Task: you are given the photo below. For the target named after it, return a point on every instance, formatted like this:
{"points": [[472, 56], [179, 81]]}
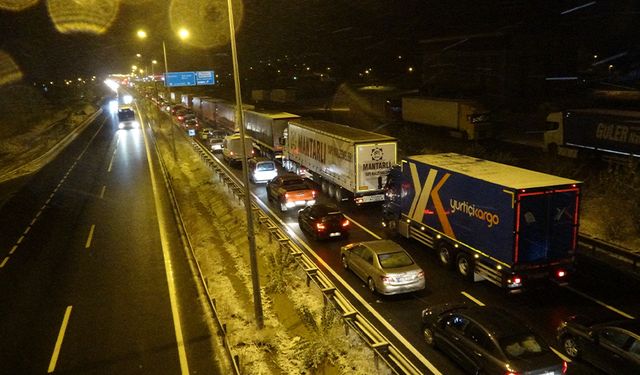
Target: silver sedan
{"points": [[384, 265]]}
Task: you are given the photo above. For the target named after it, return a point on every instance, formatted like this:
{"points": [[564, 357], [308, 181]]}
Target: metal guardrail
{"points": [[384, 350], [596, 247]]}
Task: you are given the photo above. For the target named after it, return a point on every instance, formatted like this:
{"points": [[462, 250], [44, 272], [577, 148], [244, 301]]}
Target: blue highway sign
{"points": [[205, 78], [173, 79]]}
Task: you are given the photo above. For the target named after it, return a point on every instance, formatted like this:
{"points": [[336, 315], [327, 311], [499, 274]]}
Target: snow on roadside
{"points": [[302, 335]]}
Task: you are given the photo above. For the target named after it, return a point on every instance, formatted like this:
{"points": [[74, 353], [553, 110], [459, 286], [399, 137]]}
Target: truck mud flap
{"points": [[483, 271]]}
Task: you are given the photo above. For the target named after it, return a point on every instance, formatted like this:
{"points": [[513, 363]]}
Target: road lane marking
{"points": [[363, 228], [477, 301], [27, 230], [88, 243], [559, 354], [6, 259], [47, 201], [33, 221], [56, 349], [164, 241], [112, 157], [104, 187], [600, 302], [20, 240], [43, 207], [13, 249], [39, 213]]}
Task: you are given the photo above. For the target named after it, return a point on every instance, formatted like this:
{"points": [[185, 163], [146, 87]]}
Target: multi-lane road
{"points": [[593, 291], [94, 278], [93, 275]]}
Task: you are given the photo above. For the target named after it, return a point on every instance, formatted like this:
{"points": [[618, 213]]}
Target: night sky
{"points": [[343, 33]]}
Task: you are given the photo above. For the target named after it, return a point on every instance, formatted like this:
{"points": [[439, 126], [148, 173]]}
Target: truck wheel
{"points": [[325, 186], [445, 255], [332, 190], [339, 194], [465, 266]]}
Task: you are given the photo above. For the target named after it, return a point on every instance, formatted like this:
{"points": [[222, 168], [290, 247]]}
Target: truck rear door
{"points": [[547, 225]]}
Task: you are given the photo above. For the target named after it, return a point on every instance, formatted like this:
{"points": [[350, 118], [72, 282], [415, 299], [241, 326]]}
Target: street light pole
{"points": [[257, 298]]}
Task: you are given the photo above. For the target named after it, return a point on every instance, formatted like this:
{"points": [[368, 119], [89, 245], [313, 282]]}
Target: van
{"points": [[262, 170], [232, 148]]}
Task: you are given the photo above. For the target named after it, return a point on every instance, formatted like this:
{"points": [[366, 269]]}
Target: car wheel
{"points": [[371, 285], [464, 266], [445, 255], [427, 334], [570, 346], [344, 263]]}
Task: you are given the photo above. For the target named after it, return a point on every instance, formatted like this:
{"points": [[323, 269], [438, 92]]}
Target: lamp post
{"points": [[255, 281], [183, 34]]}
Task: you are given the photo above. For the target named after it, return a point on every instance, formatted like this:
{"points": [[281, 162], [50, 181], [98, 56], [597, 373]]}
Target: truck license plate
{"points": [[373, 198]]}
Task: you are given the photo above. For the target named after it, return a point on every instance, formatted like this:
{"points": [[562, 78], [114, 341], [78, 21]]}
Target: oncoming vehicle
{"points": [[262, 170], [488, 341], [323, 221], [232, 148], [126, 118], [384, 265]]}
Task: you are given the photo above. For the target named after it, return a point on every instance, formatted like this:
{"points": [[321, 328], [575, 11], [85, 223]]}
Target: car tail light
{"points": [[560, 274], [565, 367], [231, 153], [421, 275], [286, 195], [345, 223], [180, 118], [313, 192], [511, 373], [320, 227], [386, 279]]}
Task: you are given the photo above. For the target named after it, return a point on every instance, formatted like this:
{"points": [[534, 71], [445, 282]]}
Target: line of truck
{"points": [[487, 221]]}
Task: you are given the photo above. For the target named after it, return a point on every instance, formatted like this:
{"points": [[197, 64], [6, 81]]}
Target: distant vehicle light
{"points": [[345, 223], [127, 99], [561, 273]]}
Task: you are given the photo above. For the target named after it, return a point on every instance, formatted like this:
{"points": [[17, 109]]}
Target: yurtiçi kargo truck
{"points": [[510, 226], [348, 163]]}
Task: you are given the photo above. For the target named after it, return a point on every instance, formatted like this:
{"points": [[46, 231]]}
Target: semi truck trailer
{"points": [[463, 118], [267, 129], [348, 163], [489, 221], [593, 130]]}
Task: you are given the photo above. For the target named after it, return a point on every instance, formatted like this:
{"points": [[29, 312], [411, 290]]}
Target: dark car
{"points": [[488, 341], [323, 221], [613, 346], [291, 190]]}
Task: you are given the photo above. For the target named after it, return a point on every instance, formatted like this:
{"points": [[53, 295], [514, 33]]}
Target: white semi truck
{"points": [[348, 163]]}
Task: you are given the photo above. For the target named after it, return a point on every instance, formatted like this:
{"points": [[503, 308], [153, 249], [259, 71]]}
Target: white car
{"points": [[262, 170]]}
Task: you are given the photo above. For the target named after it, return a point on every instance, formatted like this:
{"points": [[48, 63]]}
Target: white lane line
{"points": [[6, 259], [112, 157], [182, 354], [39, 213], [363, 227], [43, 207], [364, 303], [559, 354], [34, 220], [47, 201], [477, 301], [20, 240], [88, 243], [104, 187], [27, 230], [600, 303], [56, 349], [13, 249]]}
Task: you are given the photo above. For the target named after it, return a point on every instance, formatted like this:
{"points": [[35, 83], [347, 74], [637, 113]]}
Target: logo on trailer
{"points": [[377, 153]]}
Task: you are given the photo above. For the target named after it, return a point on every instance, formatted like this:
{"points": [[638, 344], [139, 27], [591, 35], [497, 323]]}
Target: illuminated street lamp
{"points": [[183, 34]]}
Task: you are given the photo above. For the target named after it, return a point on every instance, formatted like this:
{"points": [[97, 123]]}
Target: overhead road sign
{"points": [[173, 79], [205, 78]]}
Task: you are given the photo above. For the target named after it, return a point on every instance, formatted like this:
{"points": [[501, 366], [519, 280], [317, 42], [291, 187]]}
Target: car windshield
{"points": [[293, 181], [522, 346], [395, 260]]}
